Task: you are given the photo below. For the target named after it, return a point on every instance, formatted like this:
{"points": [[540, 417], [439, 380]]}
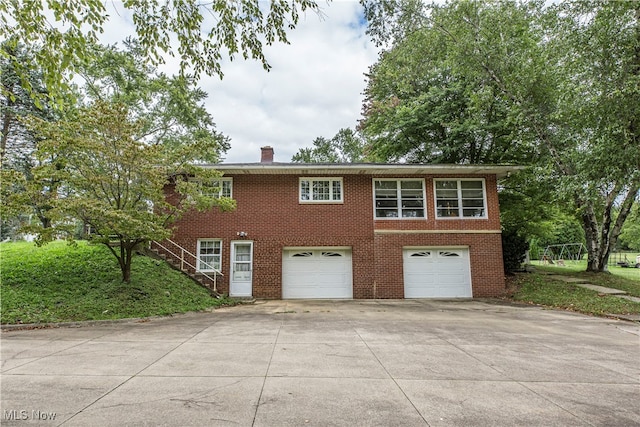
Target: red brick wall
{"points": [[485, 251], [269, 212]]}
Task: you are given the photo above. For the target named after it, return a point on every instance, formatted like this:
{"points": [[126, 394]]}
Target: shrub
{"points": [[514, 248]]}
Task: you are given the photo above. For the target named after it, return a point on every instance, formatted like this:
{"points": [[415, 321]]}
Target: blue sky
{"points": [[314, 88]]}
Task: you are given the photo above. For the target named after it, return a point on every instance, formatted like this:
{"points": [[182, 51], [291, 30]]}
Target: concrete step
{"points": [[601, 289], [567, 279], [629, 298]]}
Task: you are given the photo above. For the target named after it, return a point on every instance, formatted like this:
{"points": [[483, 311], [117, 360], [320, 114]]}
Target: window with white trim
{"points": [[461, 198], [217, 188], [209, 255], [399, 198], [320, 190]]}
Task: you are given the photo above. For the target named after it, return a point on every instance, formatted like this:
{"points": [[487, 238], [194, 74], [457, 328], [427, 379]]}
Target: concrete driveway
{"points": [[322, 363]]}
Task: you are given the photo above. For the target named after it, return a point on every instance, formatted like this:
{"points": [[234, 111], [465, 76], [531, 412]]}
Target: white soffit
{"points": [[362, 169]]}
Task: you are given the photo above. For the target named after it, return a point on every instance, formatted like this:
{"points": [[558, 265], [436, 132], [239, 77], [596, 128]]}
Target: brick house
{"points": [[351, 231]]}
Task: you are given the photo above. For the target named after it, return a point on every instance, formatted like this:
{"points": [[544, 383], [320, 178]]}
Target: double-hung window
{"points": [[461, 198], [396, 198], [209, 255], [320, 190], [217, 188]]}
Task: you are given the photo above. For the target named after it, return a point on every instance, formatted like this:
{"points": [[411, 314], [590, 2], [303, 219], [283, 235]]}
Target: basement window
{"points": [[209, 255]]}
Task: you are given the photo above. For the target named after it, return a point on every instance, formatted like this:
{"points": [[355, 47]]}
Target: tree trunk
{"points": [[7, 119], [126, 271], [601, 240], [127, 249], [126, 255], [590, 226], [46, 222], [6, 123]]}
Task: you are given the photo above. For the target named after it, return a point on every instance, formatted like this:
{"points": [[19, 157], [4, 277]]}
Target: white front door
{"points": [[241, 269]]}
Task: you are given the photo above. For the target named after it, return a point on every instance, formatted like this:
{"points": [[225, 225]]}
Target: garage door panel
{"points": [[316, 273], [437, 273], [452, 280], [333, 279], [451, 263]]}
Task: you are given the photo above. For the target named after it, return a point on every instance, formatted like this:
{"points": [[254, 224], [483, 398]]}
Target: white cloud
{"points": [[313, 89]]}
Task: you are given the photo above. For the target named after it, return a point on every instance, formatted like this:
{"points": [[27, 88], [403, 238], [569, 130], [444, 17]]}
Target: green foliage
{"points": [[553, 86], [59, 283], [428, 99], [170, 110], [514, 248], [346, 146], [16, 142], [559, 230], [108, 177], [201, 34], [630, 236], [392, 20], [527, 202]]}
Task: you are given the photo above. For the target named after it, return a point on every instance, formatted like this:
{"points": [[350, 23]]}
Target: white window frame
{"points": [[218, 256], [399, 208], [332, 196], [221, 184], [459, 199]]}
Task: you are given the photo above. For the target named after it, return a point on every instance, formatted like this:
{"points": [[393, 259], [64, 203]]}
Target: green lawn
{"points": [[541, 288], [58, 283], [579, 268]]}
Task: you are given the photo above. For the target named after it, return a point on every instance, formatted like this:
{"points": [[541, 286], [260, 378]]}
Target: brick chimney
{"points": [[267, 154]]}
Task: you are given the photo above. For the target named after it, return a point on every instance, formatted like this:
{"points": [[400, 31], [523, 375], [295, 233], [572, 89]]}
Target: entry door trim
{"points": [[241, 287]]}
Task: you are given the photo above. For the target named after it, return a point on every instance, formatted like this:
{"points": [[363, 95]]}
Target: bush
{"points": [[514, 249]]}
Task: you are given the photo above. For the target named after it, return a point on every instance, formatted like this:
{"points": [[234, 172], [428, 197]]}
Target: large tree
{"points": [[114, 181], [598, 45], [200, 33], [18, 143], [170, 109], [552, 86], [347, 146]]}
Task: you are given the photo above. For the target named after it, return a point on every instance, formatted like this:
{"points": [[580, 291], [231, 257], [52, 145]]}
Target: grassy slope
{"points": [[59, 283], [540, 288]]}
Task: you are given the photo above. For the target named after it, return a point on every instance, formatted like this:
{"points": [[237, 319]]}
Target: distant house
{"points": [[351, 231]]}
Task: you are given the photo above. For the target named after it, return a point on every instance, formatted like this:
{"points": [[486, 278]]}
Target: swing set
{"points": [[558, 254]]}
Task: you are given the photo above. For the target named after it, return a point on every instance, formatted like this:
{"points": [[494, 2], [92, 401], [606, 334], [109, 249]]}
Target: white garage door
{"points": [[316, 273], [437, 273]]}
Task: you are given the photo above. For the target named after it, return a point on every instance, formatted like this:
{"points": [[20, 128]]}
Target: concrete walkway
{"points": [[323, 363], [601, 290]]}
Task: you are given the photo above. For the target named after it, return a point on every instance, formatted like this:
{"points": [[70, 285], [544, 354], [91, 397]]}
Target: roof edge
{"points": [[363, 169]]}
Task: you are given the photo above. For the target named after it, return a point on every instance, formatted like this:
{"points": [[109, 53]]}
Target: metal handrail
{"points": [[184, 262]]}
